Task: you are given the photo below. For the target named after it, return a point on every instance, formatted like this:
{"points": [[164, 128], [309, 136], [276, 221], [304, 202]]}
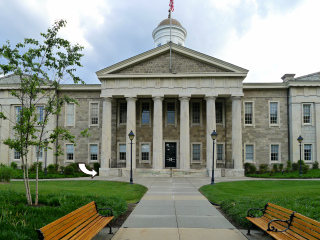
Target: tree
{"points": [[41, 67]]}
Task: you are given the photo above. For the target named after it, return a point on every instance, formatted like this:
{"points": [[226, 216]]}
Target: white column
{"points": [[5, 133], [211, 125], [157, 133], [236, 133], [295, 111], [184, 133], [317, 121], [131, 126], [106, 136]]}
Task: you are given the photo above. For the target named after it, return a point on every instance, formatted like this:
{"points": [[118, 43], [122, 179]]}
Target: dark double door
{"points": [[170, 154]]}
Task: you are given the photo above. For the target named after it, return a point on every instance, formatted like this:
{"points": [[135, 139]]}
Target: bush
{"points": [[96, 167], [51, 169], [295, 166], [281, 167], [14, 165], [252, 169], [315, 165], [275, 167], [246, 168], [263, 168], [305, 169], [74, 166], [5, 173], [289, 166], [302, 162], [56, 166], [69, 170], [62, 168]]}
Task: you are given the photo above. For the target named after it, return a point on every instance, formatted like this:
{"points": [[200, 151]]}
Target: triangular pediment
{"points": [[183, 61], [309, 77]]}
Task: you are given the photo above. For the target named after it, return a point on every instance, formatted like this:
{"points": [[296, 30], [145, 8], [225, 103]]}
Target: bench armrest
{"points": [[274, 229], [106, 209], [249, 214]]}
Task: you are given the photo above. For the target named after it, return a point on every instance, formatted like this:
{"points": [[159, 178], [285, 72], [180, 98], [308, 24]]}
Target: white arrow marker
{"points": [[83, 168]]}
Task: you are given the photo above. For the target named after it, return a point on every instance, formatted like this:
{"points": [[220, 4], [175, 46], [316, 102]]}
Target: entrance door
{"points": [[170, 154]]}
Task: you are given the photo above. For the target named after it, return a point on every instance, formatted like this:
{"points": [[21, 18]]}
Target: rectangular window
{"points": [[307, 113], [249, 153], [94, 111], [220, 152], [274, 152], [123, 112], [70, 114], [93, 152], [39, 153], [70, 152], [145, 152], [18, 114], [248, 113], [196, 152], [273, 113], [171, 113], [219, 112], [196, 112], [122, 152], [40, 113], [307, 152], [16, 155], [145, 113]]}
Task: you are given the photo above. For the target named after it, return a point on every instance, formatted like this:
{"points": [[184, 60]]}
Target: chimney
{"points": [[287, 77]]}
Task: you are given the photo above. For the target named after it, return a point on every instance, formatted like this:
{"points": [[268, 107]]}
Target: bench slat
{"points": [[309, 220], [302, 233], [280, 208], [98, 227], [306, 227]]}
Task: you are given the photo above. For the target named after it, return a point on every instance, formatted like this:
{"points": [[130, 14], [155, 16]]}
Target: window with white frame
{"points": [[94, 150], [306, 113], [196, 152], [248, 113], [122, 112], [249, 153], [171, 112], [307, 152], [94, 114], [18, 113], [275, 154], [145, 113], [16, 155], [70, 152], [122, 152], [219, 112], [70, 114], [274, 113], [40, 110], [145, 152], [39, 153], [220, 152], [196, 113]]}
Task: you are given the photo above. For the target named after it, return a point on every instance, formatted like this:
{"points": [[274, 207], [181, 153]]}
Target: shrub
{"points": [[62, 168], [252, 169], [246, 167], [51, 169], [74, 166], [5, 173], [263, 168], [315, 165], [275, 167], [281, 167], [14, 165], [305, 169], [295, 166], [96, 167], [69, 170], [302, 162], [56, 166]]}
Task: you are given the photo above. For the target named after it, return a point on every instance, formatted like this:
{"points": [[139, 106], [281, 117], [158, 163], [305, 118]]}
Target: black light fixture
{"points": [[300, 139], [214, 135], [131, 137], [46, 143]]}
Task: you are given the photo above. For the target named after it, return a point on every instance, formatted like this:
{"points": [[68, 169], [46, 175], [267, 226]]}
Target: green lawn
{"points": [[235, 198], [130, 193]]}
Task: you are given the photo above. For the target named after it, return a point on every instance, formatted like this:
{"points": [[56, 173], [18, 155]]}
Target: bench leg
{"points": [[110, 232], [248, 233]]}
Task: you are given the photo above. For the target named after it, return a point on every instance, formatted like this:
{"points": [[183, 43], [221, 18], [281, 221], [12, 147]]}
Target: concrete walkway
{"points": [[173, 208]]}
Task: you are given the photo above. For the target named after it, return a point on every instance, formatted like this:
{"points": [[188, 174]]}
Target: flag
{"points": [[171, 5]]}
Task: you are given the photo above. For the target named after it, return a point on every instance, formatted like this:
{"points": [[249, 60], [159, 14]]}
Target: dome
{"points": [[167, 22]]}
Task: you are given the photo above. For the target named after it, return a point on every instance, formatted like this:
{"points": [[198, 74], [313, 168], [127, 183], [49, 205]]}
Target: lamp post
{"points": [[300, 139], [213, 136], [131, 137], [46, 143]]}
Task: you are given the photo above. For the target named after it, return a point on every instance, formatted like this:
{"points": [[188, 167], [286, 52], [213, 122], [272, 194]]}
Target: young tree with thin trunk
{"points": [[41, 68]]}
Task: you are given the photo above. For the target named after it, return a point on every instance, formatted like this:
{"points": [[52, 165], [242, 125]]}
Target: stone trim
{"points": [[140, 153], [311, 114], [90, 124], [278, 114], [118, 152], [245, 152], [166, 101], [66, 115], [253, 114], [191, 153], [279, 152], [89, 152], [65, 153], [191, 112]]}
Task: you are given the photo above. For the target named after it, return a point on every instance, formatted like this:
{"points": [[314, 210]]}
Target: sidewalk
{"points": [[173, 208]]}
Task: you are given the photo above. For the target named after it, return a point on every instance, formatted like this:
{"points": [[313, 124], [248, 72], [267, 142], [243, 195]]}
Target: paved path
{"points": [[173, 208]]}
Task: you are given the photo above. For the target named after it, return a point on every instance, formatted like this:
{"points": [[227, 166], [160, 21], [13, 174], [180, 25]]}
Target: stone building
{"points": [[172, 98]]}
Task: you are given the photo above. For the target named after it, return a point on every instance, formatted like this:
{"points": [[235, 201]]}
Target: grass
{"points": [[312, 173], [236, 198], [18, 174], [56, 199]]}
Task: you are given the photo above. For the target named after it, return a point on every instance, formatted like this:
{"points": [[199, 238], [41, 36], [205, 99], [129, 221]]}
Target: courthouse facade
{"points": [[172, 98]]}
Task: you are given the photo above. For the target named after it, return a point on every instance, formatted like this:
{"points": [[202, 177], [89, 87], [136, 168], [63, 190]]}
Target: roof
{"points": [[167, 22], [10, 79], [309, 77]]}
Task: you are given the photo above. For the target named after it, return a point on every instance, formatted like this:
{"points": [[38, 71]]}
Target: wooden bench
{"points": [[83, 223], [282, 223]]}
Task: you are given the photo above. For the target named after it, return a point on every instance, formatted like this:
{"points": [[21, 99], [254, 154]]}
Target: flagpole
{"points": [[170, 38]]}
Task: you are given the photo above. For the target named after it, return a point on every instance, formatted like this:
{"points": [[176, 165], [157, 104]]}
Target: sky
{"points": [[268, 37]]}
